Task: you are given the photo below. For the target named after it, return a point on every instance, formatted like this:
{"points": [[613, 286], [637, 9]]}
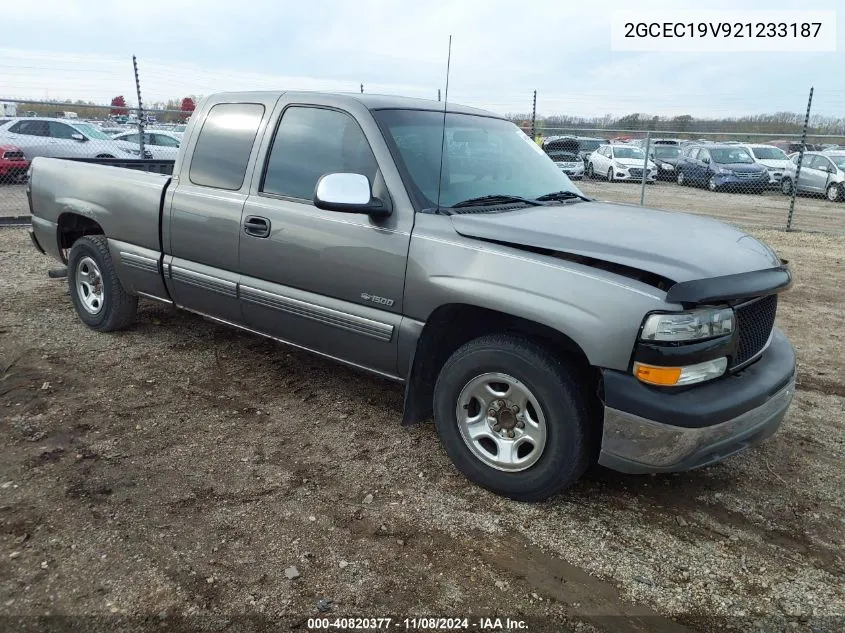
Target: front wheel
{"points": [[610, 175], [590, 172], [786, 186], [681, 179], [513, 418], [97, 294], [711, 184], [834, 192]]}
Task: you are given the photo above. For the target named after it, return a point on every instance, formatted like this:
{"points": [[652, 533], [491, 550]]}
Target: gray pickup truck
{"points": [[542, 330]]}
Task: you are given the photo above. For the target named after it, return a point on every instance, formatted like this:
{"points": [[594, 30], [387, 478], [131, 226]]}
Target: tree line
{"points": [[685, 124], [171, 111]]}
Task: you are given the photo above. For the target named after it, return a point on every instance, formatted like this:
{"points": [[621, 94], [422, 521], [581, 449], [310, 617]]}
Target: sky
{"points": [[501, 52]]}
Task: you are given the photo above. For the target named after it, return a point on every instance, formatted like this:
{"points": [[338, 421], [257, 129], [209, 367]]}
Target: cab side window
{"points": [[224, 145], [311, 142]]}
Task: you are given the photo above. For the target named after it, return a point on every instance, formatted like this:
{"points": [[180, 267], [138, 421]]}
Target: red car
{"points": [[13, 164]]}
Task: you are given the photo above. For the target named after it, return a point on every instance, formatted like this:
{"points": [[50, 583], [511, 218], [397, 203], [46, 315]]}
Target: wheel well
{"points": [[71, 227], [451, 326]]}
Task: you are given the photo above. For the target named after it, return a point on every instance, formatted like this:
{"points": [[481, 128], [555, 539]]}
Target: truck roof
{"points": [[370, 101]]}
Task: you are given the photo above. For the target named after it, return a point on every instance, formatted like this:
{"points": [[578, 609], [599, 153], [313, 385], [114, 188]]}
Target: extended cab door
{"points": [[328, 281], [203, 205]]}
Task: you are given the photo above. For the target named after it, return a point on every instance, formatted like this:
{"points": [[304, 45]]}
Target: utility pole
{"points": [[140, 107]]}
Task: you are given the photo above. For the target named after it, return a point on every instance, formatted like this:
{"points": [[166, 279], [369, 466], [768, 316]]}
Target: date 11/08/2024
{"points": [[416, 624]]}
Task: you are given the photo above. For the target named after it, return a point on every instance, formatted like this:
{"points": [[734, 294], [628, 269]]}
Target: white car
{"points": [[64, 138], [772, 158], [163, 145], [620, 162]]}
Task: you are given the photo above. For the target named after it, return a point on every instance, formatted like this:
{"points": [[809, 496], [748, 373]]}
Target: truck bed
{"points": [[126, 203]]}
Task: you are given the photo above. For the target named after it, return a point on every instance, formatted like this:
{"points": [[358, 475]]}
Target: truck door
{"points": [[329, 281], [202, 223]]}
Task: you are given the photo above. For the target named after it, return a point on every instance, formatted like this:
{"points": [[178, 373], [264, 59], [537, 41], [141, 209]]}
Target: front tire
{"points": [[97, 294], [711, 184], [786, 186], [682, 181], [514, 418], [590, 173], [610, 175]]}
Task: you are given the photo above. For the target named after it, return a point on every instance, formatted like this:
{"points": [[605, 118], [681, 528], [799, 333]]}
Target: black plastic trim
{"points": [[708, 403], [758, 283], [35, 242], [682, 354]]}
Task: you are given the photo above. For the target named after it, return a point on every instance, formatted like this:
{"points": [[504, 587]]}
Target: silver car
{"points": [[821, 173], [61, 138], [161, 144]]}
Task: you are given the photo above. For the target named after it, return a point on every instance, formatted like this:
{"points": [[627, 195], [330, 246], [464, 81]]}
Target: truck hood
{"points": [[677, 246]]}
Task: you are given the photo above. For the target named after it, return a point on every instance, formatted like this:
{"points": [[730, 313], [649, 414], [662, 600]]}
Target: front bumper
{"points": [[732, 181], [625, 174], [648, 430]]}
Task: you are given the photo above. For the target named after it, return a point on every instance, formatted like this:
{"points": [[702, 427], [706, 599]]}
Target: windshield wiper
{"points": [[483, 201], [562, 195]]}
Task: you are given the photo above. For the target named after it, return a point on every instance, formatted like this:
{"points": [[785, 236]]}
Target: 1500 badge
{"points": [[382, 301]]}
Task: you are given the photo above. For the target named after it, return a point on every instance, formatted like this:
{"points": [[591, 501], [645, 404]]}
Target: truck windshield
{"points": [[483, 156]]}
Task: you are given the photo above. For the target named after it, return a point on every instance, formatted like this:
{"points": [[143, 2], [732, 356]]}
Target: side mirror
{"points": [[348, 193], [706, 161], [76, 136]]}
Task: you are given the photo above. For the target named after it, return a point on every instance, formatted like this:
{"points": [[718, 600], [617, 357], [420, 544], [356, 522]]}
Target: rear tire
{"points": [[551, 405], [97, 294], [833, 192]]}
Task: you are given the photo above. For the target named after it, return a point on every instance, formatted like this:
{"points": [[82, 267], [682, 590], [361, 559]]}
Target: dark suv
{"points": [[721, 167]]}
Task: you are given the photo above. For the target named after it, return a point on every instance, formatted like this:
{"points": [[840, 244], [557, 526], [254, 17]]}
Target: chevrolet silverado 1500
{"points": [[542, 330]]}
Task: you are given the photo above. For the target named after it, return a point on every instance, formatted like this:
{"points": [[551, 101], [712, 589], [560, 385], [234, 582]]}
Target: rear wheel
{"points": [[834, 192], [98, 296], [513, 417]]}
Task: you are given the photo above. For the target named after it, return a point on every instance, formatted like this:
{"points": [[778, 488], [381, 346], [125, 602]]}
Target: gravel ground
{"points": [[173, 473]]}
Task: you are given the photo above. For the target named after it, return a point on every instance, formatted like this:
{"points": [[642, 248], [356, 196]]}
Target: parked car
{"points": [[665, 157], [564, 152], [772, 158], [13, 164], [821, 173], [162, 145], [790, 147], [542, 330], [620, 162], [720, 167], [64, 138], [587, 145]]}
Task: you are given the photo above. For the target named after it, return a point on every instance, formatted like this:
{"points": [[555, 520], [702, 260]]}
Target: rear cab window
{"points": [[224, 145]]}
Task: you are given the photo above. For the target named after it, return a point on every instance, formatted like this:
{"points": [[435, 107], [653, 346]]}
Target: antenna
{"points": [[443, 137]]}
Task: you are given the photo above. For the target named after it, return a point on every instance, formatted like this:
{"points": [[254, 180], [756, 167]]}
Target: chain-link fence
{"points": [[748, 179], [78, 131], [775, 173]]}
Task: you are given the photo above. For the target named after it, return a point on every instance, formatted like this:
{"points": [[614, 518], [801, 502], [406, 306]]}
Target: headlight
{"points": [[619, 165], [723, 171], [667, 167], [688, 326]]}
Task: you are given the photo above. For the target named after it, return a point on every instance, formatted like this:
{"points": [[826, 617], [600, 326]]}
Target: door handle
{"points": [[257, 226]]}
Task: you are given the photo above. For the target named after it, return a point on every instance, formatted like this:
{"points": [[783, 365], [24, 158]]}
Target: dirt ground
{"points": [[168, 476], [769, 210]]}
